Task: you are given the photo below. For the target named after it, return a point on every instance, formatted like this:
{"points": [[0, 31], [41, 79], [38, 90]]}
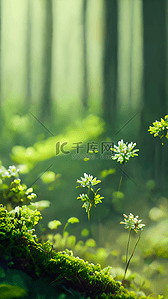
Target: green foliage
{"points": [[87, 129], [14, 192], [70, 268], [90, 243], [73, 220], [39, 205], [16, 231], [20, 221], [160, 128], [66, 240], [54, 224], [106, 172], [85, 232], [70, 220], [48, 177], [9, 291]]}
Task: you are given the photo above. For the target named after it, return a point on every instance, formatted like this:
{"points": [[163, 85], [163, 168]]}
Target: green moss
{"points": [[40, 260]]}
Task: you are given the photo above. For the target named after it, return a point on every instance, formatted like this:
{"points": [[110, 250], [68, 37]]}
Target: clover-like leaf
{"points": [[54, 224], [73, 220]]}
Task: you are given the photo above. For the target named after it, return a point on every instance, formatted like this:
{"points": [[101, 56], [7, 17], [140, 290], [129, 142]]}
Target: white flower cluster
{"points": [[132, 222], [124, 151], [88, 180], [12, 171]]}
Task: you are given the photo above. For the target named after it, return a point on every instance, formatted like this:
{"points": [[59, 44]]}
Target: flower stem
{"points": [[128, 246], [88, 216], [89, 206], [121, 178], [127, 265]]}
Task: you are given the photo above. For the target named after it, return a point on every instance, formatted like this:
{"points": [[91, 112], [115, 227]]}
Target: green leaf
{"points": [[71, 240], [85, 232], [40, 205], [73, 220], [48, 177], [9, 291], [90, 243], [54, 224], [118, 195], [4, 186], [106, 172]]}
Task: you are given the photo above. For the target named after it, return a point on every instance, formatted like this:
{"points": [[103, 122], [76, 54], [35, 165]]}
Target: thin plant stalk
{"points": [[127, 265], [121, 178], [128, 246], [88, 196], [65, 227]]}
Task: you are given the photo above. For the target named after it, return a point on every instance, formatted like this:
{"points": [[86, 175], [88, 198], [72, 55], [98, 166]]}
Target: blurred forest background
{"points": [[81, 71]]}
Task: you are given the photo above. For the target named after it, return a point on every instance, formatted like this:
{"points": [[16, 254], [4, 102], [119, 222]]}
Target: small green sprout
{"points": [[131, 223], [123, 152], [160, 128], [88, 181], [55, 223], [70, 220]]}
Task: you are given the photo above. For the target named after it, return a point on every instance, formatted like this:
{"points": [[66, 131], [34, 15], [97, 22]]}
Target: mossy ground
{"points": [[61, 271]]}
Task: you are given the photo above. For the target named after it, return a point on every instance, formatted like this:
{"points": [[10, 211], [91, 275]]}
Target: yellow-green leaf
{"points": [[73, 220], [54, 224]]}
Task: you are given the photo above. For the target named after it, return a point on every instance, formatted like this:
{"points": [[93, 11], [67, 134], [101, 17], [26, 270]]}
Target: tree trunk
{"points": [[110, 64], [85, 85], [154, 106], [46, 113], [132, 3], [1, 116], [28, 99]]}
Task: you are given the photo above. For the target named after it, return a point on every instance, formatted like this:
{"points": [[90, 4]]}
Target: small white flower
{"points": [[6, 174], [88, 180], [124, 151], [132, 222], [13, 170]]}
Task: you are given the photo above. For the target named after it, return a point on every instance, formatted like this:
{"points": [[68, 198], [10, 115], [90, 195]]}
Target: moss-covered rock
{"points": [[19, 249]]}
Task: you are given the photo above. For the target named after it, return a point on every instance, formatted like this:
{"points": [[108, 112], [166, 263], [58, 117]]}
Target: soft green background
{"points": [[82, 71]]}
